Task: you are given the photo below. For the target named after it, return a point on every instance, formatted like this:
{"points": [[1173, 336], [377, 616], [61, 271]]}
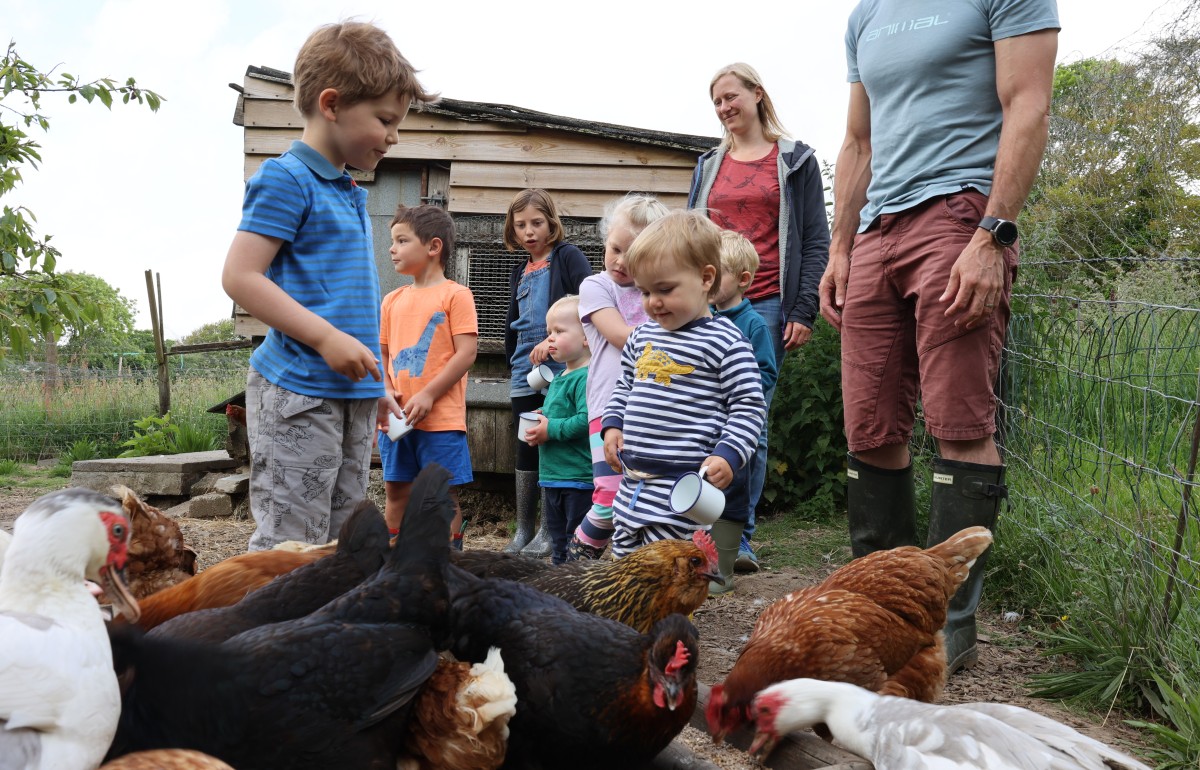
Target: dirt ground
{"points": [[1009, 655]]}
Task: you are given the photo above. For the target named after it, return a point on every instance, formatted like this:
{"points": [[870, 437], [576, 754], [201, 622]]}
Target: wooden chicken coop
{"points": [[472, 158]]}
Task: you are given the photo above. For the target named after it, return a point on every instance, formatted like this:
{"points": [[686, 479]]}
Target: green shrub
{"points": [[807, 443], [8, 467]]}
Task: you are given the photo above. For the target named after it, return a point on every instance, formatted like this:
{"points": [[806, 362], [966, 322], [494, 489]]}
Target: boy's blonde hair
{"points": [[569, 304], [773, 129], [540, 200], [681, 239], [634, 210], [359, 61], [737, 254]]}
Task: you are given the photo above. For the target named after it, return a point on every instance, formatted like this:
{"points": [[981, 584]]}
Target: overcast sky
{"points": [[128, 190]]}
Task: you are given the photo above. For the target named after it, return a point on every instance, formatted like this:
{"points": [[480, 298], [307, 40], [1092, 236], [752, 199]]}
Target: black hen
{"points": [[591, 692], [331, 689], [361, 548]]}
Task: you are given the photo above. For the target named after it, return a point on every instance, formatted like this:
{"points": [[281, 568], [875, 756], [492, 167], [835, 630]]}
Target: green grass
{"points": [[811, 537], [25, 476], [37, 423]]}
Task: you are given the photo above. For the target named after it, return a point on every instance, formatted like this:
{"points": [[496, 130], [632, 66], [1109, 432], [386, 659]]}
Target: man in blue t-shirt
{"points": [[302, 262], [948, 119]]}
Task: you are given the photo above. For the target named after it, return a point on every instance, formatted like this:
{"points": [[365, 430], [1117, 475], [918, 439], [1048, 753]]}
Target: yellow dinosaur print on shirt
{"points": [[659, 364]]}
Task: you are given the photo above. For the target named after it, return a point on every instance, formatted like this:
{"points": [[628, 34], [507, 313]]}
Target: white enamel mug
{"points": [[539, 377], [697, 499], [529, 421], [397, 427]]}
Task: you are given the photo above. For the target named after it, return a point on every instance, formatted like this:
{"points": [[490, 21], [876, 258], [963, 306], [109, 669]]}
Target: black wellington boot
{"points": [[880, 506], [964, 495], [528, 495]]}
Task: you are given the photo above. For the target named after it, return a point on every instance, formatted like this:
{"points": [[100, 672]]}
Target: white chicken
{"points": [[59, 701], [903, 734]]}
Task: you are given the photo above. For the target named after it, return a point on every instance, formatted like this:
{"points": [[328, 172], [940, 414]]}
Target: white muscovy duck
{"points": [[903, 734], [59, 701]]}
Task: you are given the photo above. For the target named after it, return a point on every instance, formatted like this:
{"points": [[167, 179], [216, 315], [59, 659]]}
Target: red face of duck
{"points": [[112, 572], [764, 711]]}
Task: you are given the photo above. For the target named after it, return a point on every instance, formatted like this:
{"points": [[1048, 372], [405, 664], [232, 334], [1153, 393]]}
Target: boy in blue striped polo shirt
{"points": [[690, 394], [303, 263]]}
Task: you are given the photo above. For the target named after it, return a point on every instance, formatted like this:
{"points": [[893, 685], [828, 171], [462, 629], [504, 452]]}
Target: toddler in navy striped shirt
{"points": [[689, 396]]}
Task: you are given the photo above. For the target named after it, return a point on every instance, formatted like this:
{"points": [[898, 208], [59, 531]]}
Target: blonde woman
{"points": [[767, 187]]}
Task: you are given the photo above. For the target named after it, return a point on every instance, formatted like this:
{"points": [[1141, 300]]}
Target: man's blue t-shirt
{"points": [[929, 70], [326, 263]]}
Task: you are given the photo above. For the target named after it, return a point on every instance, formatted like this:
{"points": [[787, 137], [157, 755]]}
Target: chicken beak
{"points": [[762, 745], [117, 589], [714, 574]]}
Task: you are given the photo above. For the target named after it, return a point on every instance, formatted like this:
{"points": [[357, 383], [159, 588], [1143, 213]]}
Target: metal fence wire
{"points": [[489, 263]]}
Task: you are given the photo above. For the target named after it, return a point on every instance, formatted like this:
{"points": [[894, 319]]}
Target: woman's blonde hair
{"points": [[683, 239], [540, 200], [636, 210], [772, 128]]}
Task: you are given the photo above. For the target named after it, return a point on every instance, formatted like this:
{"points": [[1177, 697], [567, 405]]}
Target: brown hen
{"points": [[166, 759], [876, 623], [656, 580], [460, 718], [158, 557], [223, 584]]}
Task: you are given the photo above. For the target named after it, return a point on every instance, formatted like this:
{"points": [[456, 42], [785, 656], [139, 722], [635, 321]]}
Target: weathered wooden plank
{"points": [[258, 88], [677, 756], [277, 113], [797, 751], [537, 146], [572, 203], [570, 177]]}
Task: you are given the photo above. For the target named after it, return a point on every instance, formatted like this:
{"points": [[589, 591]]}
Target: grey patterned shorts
{"points": [[309, 462]]}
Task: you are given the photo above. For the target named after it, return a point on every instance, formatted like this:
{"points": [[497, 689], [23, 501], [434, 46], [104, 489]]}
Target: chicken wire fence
{"points": [[489, 264]]}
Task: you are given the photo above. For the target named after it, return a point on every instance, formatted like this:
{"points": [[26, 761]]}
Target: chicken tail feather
{"points": [[364, 536], [961, 549], [426, 528]]}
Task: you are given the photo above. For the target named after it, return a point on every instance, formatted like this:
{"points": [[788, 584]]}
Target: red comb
{"points": [[678, 660], [705, 543]]}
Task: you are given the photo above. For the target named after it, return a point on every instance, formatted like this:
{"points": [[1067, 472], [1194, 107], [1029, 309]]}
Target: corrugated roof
{"points": [[506, 113]]}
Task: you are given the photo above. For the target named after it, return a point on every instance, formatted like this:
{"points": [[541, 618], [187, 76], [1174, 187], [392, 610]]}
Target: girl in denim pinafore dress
{"points": [[551, 270]]}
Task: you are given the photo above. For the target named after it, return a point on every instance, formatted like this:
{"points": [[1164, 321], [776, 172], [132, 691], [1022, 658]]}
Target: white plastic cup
{"points": [[397, 427], [529, 421], [539, 377], [697, 499]]}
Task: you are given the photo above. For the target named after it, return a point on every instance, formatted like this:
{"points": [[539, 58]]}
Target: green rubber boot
{"points": [[964, 495], [881, 507], [727, 536]]}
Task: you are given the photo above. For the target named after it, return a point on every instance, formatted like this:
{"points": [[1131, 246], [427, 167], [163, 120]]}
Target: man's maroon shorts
{"points": [[897, 344]]}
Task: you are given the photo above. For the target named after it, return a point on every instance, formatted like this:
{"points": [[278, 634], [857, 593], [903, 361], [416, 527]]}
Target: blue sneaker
{"points": [[746, 560]]}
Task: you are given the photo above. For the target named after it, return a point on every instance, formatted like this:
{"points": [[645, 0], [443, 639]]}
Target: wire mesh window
{"points": [[489, 264]]}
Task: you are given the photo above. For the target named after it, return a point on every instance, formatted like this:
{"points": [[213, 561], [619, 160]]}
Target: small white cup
{"points": [[697, 499], [397, 427], [529, 421], [540, 376]]}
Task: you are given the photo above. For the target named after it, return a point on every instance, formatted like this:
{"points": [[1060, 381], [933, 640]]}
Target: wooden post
{"points": [[160, 352]]}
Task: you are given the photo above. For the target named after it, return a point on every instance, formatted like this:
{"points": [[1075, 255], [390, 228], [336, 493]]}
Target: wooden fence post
{"points": [[160, 352]]}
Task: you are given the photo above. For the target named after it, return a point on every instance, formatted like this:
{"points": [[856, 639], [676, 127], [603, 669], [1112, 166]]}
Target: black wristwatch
{"points": [[1003, 231]]}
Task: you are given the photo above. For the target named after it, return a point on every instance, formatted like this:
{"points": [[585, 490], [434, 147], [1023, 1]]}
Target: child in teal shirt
{"points": [[561, 435]]}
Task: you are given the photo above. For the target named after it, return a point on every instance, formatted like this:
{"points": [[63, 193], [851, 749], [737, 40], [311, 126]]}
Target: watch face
{"points": [[1006, 232]]}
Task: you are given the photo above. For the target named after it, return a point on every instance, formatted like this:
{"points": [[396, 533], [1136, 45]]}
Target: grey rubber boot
{"points": [[964, 495], [880, 506], [542, 545], [528, 495], [727, 536]]}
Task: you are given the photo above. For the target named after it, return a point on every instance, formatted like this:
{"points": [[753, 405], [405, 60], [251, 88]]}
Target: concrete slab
{"points": [[233, 485], [188, 462], [211, 506]]}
